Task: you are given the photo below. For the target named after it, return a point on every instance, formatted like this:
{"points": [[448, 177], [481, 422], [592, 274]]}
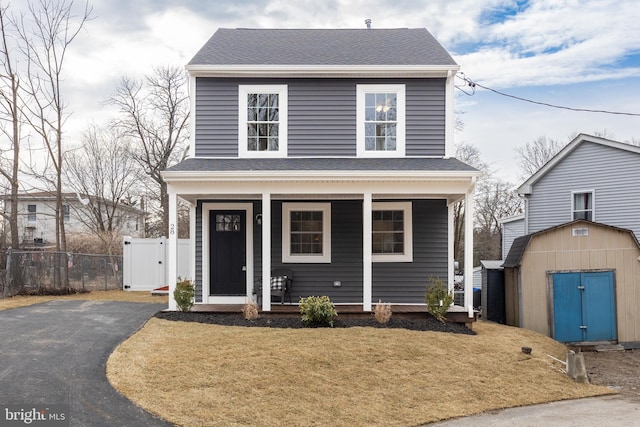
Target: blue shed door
{"points": [[584, 307]]}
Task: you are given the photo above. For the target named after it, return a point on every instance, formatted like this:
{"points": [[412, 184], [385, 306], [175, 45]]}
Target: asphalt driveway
{"points": [[55, 354]]}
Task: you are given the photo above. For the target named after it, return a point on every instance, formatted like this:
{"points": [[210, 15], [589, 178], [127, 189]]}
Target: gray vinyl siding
{"points": [[407, 282], [392, 282], [613, 175], [322, 116], [511, 230]]}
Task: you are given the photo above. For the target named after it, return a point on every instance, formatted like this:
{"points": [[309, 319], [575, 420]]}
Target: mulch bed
{"points": [[226, 319]]}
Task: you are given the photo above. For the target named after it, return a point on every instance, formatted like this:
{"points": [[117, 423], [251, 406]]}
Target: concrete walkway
{"points": [[55, 353], [590, 412]]}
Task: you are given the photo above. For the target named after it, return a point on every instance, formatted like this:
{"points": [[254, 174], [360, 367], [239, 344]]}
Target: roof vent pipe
{"points": [[368, 22]]}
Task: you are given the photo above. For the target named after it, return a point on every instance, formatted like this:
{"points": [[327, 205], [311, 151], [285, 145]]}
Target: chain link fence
{"points": [[42, 272]]}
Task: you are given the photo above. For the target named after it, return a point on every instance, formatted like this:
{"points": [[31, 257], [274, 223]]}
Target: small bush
{"points": [[382, 312], [250, 310], [438, 299], [317, 311], [184, 294]]}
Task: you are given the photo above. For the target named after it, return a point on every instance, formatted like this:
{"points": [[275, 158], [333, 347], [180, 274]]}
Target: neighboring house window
{"points": [[381, 120], [262, 124], [31, 213], [392, 235], [583, 205], [306, 232], [67, 213]]}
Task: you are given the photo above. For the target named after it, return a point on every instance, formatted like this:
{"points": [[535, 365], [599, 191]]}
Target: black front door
{"points": [[227, 253]]}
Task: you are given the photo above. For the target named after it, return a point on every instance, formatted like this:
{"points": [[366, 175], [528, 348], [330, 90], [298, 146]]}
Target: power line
{"points": [[473, 86]]}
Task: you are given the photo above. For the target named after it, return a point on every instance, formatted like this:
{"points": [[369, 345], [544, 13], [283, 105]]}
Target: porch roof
{"points": [[422, 164]]}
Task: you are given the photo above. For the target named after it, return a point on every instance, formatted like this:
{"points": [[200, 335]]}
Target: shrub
{"points": [[438, 299], [250, 310], [184, 294], [382, 312], [317, 311]]}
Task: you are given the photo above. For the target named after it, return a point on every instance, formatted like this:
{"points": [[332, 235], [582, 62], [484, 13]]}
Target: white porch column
{"points": [[266, 252], [450, 255], [192, 242], [172, 247], [468, 251], [367, 275]]}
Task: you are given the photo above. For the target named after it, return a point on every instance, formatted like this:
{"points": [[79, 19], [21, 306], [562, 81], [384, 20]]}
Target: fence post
{"points": [[105, 272], [7, 281]]}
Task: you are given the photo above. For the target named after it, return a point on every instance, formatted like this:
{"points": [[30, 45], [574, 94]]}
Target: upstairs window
{"points": [[262, 125], [381, 120], [67, 213], [31, 213], [583, 205]]}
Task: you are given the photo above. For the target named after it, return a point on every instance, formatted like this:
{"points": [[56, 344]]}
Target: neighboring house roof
{"points": [[520, 244], [244, 46], [491, 265], [232, 164], [527, 186]]}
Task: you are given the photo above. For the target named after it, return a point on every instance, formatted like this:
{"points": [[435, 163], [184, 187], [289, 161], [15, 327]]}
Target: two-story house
{"points": [[37, 218], [326, 152]]}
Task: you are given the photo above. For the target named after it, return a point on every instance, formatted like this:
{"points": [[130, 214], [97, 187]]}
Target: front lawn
{"points": [[211, 375]]}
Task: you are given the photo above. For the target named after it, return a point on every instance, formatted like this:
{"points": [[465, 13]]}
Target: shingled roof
{"points": [[342, 47]]}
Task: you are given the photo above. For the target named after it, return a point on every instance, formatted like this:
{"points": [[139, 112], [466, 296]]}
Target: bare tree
{"points": [[495, 199], [470, 155], [155, 111], [46, 32], [103, 174], [535, 154], [10, 118]]}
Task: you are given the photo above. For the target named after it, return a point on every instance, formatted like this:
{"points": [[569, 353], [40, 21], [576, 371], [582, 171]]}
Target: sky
{"points": [[574, 53]]}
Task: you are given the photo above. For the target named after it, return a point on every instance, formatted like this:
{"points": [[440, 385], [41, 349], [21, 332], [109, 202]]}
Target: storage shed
{"points": [[578, 282], [493, 305]]}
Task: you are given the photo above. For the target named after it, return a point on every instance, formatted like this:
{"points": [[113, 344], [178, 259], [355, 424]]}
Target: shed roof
{"points": [[245, 46], [519, 246]]}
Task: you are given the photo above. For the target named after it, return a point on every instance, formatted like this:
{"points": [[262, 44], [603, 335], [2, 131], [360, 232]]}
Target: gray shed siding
{"points": [[510, 231], [322, 116], [611, 172], [393, 282]]}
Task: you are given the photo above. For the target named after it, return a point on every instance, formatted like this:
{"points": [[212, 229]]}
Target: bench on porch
{"points": [[280, 285]]}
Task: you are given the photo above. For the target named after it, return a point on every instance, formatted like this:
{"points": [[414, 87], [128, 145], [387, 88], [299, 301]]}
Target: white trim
{"points": [[450, 114], [468, 250], [327, 71], [282, 92], [407, 208], [266, 251], [206, 208], [192, 119], [593, 203], [367, 267], [450, 253], [172, 247], [325, 257], [399, 90]]}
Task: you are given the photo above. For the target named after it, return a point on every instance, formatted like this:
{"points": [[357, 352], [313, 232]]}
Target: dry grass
{"points": [[382, 312], [113, 295], [209, 375]]}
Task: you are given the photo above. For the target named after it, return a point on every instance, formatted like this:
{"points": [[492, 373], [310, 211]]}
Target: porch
{"points": [[455, 314]]}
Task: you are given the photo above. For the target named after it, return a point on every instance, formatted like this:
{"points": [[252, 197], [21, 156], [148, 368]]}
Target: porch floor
{"points": [[456, 313]]}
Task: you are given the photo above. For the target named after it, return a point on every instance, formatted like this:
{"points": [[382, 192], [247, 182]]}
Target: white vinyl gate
{"points": [[145, 263]]}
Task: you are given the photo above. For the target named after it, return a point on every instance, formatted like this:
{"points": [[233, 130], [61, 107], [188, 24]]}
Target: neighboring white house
{"points": [[36, 217]]}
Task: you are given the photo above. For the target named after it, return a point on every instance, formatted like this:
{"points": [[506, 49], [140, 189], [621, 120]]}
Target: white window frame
{"points": [[399, 90], [287, 257], [282, 92], [593, 203], [32, 217], [406, 207]]}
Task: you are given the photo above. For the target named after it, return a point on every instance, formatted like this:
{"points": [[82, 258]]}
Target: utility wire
{"points": [[473, 85]]}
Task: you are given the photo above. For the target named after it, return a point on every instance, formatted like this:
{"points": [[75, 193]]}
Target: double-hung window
{"points": [[306, 232], [31, 213], [262, 121], [582, 205], [380, 120], [392, 234], [66, 210]]}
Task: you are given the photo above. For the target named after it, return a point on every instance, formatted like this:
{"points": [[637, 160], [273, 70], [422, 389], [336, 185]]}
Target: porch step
{"points": [[609, 347]]}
